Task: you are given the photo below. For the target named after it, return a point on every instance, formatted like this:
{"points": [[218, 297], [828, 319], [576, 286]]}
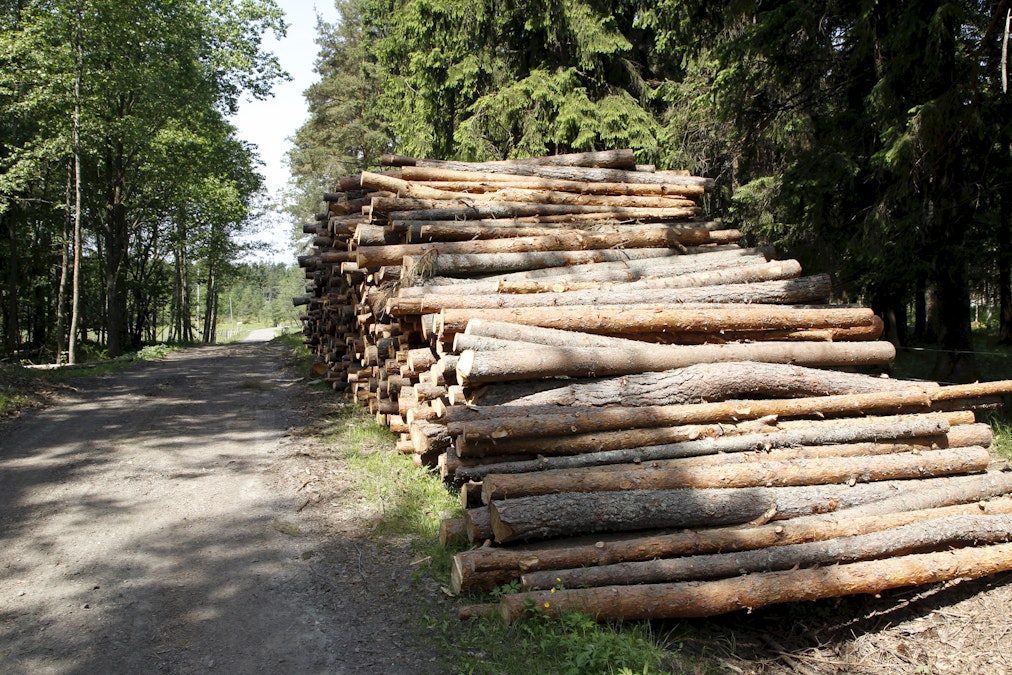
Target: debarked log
{"points": [[596, 175], [786, 473], [805, 290], [476, 367], [425, 197], [724, 270], [482, 183], [474, 210], [630, 269], [698, 599], [621, 320], [940, 533], [777, 270]]}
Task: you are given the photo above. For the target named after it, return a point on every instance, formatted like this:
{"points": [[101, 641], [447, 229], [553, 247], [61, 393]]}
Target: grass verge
{"points": [[411, 502]]}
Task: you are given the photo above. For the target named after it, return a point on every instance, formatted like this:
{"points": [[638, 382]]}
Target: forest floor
{"points": [[189, 515]]}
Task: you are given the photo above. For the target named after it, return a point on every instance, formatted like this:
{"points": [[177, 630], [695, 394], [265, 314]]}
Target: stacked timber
{"points": [[644, 417]]}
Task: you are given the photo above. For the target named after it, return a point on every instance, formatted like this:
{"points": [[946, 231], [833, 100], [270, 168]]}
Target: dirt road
{"points": [[151, 522]]}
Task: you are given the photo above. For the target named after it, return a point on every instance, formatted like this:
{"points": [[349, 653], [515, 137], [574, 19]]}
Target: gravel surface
{"points": [[164, 519]]}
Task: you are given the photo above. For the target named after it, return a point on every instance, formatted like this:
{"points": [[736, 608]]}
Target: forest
{"points": [[123, 186], [870, 140]]}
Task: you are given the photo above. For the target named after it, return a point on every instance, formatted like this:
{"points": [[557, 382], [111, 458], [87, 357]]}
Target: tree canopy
{"points": [[115, 123], [870, 140]]}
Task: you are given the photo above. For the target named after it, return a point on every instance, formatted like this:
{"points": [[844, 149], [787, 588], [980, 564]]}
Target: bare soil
{"points": [[181, 517]]}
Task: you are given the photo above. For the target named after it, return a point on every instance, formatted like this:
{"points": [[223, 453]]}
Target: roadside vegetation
{"points": [[23, 387], [411, 502]]}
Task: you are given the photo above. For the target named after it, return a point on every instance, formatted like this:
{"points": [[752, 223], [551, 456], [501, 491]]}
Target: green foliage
{"points": [[261, 293], [447, 78], [165, 183], [574, 644], [1002, 429]]}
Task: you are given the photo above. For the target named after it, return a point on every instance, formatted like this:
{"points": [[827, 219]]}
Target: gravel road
{"points": [[163, 519]]}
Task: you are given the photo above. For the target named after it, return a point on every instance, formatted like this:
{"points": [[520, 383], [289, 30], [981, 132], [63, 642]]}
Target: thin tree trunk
{"points": [[570, 514], [61, 293], [210, 320], [12, 331], [1005, 259]]}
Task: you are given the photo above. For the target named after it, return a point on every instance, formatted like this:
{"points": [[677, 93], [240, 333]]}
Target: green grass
{"points": [[410, 501], [1002, 436], [574, 644]]}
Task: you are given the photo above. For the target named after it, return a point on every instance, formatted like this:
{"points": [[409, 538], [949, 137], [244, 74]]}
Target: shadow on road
{"points": [[147, 525]]}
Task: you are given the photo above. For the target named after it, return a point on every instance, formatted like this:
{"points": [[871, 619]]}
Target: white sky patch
{"points": [[270, 124]]}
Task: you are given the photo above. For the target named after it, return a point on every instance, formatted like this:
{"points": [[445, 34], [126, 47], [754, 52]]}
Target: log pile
{"points": [[644, 417]]}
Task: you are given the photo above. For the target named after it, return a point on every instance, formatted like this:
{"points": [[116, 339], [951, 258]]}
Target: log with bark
{"points": [[576, 513], [693, 384], [584, 419], [962, 495], [478, 367], [783, 473], [937, 534], [806, 290], [957, 437], [698, 599], [625, 321], [374, 257], [646, 444]]}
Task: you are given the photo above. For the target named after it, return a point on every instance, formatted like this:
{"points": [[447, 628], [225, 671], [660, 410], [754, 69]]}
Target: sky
{"points": [[271, 123]]}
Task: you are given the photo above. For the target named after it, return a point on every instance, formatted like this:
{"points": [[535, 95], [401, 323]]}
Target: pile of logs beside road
{"points": [[644, 418]]}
